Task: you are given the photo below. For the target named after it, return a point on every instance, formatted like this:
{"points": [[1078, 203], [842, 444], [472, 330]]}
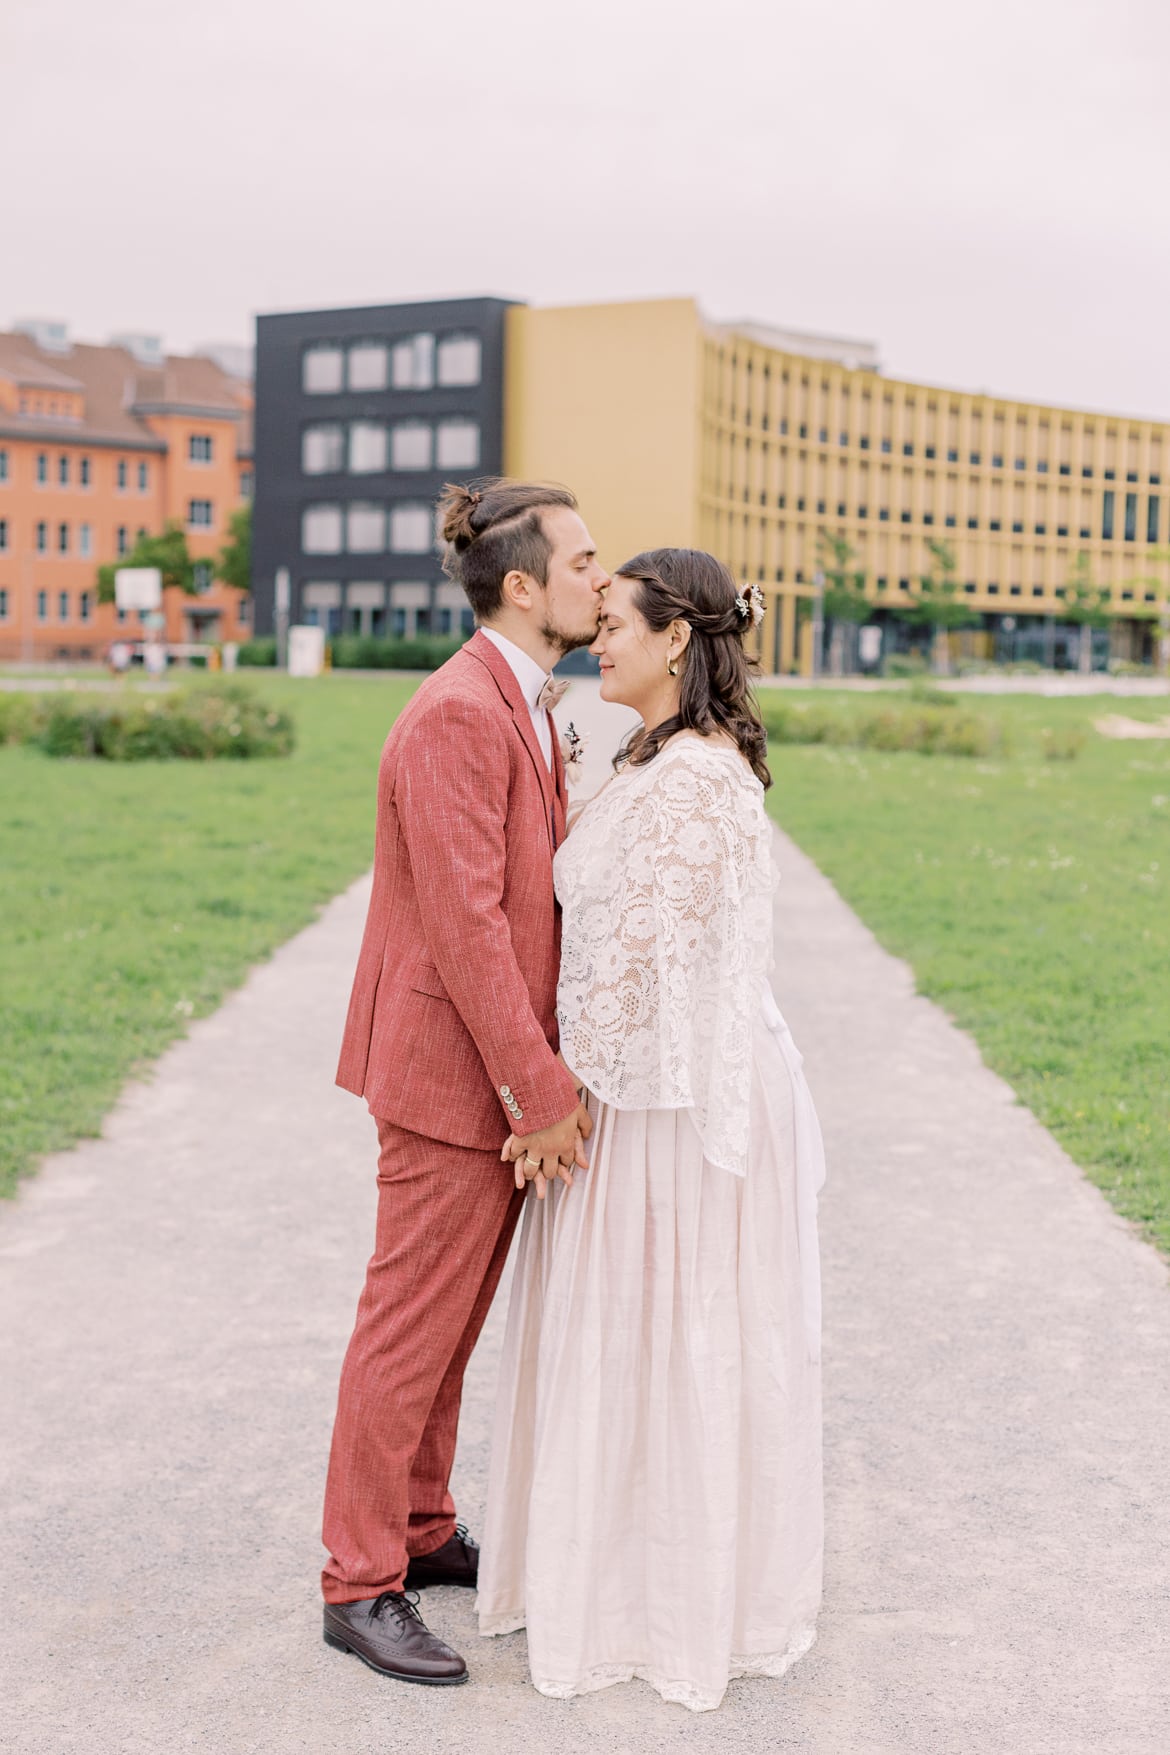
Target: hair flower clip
{"points": [[751, 605], [573, 746]]}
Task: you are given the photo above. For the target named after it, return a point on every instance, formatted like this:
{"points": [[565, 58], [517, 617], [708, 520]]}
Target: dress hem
{"points": [[672, 1689]]}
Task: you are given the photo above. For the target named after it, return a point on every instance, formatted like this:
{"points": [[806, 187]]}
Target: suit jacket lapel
{"points": [[560, 786], [513, 694]]}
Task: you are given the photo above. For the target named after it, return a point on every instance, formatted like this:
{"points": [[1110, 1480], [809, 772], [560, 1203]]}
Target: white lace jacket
{"points": [[667, 885]]}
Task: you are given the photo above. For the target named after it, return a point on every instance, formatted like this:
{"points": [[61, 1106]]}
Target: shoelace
{"points": [[403, 1608]]}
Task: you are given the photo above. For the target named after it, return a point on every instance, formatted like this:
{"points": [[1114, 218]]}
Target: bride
{"points": [[654, 1507]]}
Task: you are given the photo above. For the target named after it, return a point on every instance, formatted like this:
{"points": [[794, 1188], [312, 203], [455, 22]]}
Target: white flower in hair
{"points": [[751, 604]]}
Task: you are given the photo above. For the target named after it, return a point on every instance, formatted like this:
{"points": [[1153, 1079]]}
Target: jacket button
{"points": [[505, 1092]]}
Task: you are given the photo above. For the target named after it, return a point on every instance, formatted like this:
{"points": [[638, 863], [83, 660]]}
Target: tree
{"points": [[1087, 605], [938, 605], [233, 564], [843, 597], [167, 552]]}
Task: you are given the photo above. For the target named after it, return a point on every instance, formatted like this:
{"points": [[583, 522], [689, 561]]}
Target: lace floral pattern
{"points": [[667, 886]]}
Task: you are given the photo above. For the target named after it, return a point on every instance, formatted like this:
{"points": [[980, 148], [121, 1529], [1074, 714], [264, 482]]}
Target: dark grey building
{"points": [[361, 416]]}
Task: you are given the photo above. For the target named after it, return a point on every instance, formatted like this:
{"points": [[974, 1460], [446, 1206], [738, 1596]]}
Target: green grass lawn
{"points": [[1031, 899], [1029, 896], [135, 895]]}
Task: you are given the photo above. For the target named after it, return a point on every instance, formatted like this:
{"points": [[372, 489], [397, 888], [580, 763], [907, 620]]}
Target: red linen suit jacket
{"points": [[452, 1030]]}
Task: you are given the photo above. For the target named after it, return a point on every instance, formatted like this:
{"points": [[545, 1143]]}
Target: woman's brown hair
{"points": [[715, 693], [492, 527]]}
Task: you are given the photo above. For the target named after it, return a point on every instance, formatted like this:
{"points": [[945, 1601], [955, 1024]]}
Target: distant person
{"points": [[119, 658], [451, 1038], [655, 1505]]}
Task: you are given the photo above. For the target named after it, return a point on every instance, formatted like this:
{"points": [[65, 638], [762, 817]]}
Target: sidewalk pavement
{"points": [[176, 1297]]}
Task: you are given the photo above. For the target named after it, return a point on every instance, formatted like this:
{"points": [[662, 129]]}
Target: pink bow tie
{"points": [[553, 692]]}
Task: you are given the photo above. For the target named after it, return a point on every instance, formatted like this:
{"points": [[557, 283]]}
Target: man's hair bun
{"points": [[458, 506]]}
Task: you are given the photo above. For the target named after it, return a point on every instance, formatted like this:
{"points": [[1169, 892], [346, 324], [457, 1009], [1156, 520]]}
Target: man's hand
{"points": [[542, 1157]]}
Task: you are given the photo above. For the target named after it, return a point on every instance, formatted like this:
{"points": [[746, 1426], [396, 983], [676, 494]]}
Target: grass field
{"points": [[1031, 899], [135, 895]]}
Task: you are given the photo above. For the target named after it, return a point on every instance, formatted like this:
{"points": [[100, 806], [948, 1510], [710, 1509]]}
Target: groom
{"points": [[451, 1038]]}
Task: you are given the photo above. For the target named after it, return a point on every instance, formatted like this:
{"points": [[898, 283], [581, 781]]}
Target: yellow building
{"points": [[749, 441]]}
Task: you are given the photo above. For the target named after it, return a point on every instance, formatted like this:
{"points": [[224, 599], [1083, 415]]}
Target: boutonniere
{"points": [[573, 745]]}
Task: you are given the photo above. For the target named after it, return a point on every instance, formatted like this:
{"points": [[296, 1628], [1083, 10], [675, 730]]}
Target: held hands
{"points": [[555, 1151]]}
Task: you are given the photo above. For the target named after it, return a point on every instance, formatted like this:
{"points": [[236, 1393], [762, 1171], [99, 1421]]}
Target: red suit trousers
{"points": [[446, 1215]]}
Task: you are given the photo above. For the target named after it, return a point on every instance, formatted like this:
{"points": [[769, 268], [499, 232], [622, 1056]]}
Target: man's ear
{"points": [[517, 589]]}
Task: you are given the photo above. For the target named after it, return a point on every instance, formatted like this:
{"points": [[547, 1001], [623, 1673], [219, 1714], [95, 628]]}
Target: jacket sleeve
{"points": [[451, 792]]}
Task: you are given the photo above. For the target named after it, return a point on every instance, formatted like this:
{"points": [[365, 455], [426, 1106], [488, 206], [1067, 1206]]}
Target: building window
{"points": [[367, 366], [84, 606], [123, 540], [444, 621], [411, 530], [143, 478], [201, 577], [83, 471], [3, 465], [121, 474], [246, 484], [321, 530], [365, 529], [1042, 467], [322, 369], [62, 606], [1021, 463], [42, 537], [3, 534], [63, 471], [322, 450], [199, 448], [459, 360], [199, 514], [1131, 517], [398, 622], [1152, 518], [42, 468], [42, 606], [467, 621], [62, 539], [367, 448], [411, 445], [413, 363], [3, 604], [458, 444], [1107, 516]]}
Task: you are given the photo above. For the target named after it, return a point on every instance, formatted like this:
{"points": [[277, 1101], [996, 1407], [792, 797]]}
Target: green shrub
{"points": [[928, 729], [365, 652], [904, 664], [20, 716], [225, 721], [257, 652]]}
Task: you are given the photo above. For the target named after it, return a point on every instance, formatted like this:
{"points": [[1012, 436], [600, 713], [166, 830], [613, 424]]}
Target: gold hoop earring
{"points": [[672, 667]]}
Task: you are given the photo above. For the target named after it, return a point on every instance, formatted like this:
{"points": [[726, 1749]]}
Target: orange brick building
{"points": [[98, 445]]}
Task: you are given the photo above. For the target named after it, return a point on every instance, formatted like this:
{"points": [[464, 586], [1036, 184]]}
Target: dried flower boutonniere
{"points": [[573, 745]]}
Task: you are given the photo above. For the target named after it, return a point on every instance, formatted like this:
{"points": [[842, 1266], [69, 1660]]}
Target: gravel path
{"points": [[175, 1299]]}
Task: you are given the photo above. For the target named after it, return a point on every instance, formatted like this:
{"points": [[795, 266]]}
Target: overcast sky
{"points": [[982, 189]]}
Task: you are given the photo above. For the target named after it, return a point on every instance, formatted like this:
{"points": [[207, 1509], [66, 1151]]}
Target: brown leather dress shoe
{"points": [[390, 1635], [456, 1562]]}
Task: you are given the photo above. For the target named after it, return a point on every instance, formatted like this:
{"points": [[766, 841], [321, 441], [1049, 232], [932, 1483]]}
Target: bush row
{"points": [[929, 729], [365, 652], [192, 724]]}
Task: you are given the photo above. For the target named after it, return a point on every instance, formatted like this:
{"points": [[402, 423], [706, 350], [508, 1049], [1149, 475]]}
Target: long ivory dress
{"points": [[654, 1506]]}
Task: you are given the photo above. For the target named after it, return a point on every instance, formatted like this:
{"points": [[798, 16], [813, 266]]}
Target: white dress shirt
{"points": [[531, 679]]}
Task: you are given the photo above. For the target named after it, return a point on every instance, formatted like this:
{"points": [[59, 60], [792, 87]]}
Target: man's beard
{"points": [[563, 641]]}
